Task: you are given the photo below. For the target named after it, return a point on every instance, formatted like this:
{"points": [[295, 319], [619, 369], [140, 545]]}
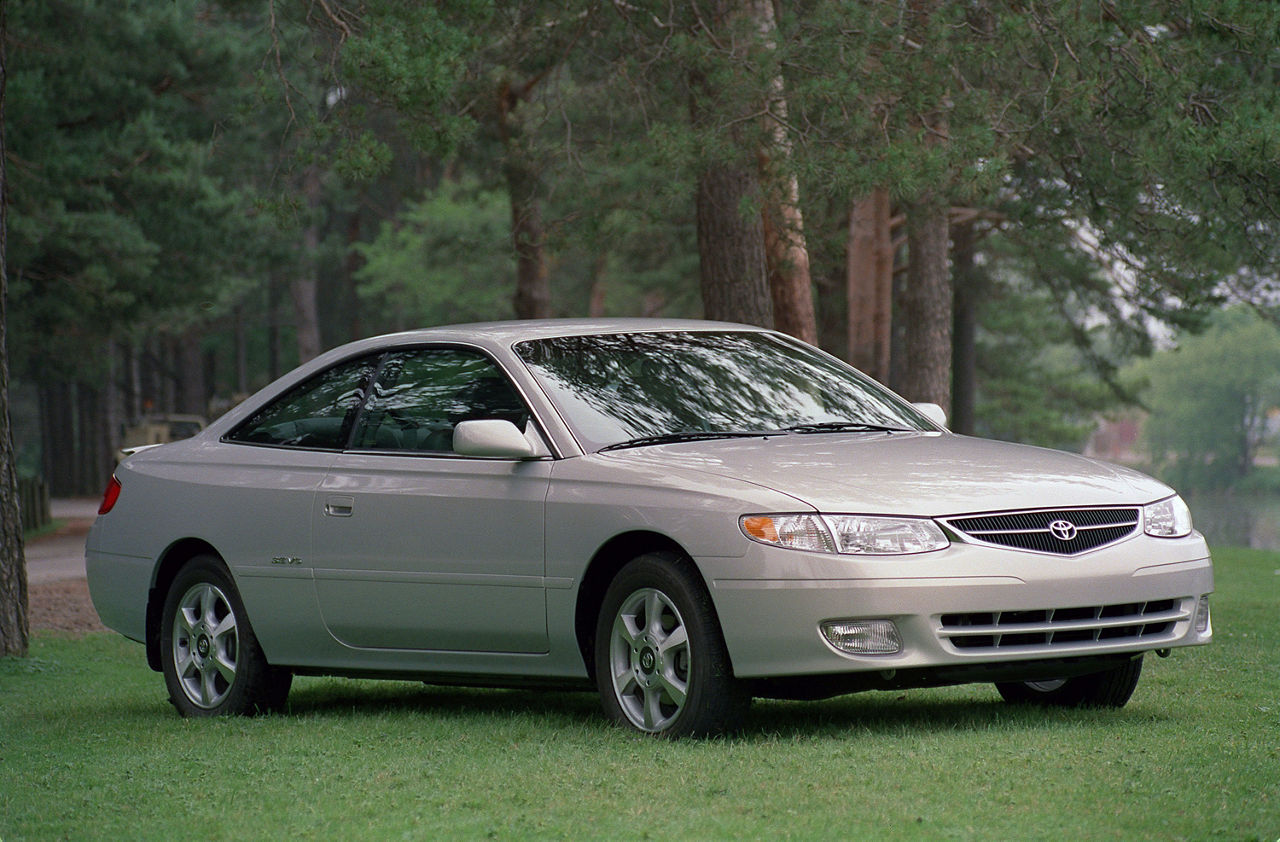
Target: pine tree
{"points": [[14, 629]]}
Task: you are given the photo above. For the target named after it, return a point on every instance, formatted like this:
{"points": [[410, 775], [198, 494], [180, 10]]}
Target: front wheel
{"points": [[661, 663], [1110, 688], [211, 659]]}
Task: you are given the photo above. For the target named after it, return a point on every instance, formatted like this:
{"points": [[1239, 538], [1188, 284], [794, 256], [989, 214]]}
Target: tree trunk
{"points": [[151, 379], [113, 406], [654, 302], [306, 314], [133, 383], [964, 351], [599, 287], [928, 294], [94, 461], [191, 394], [86, 406], [831, 306], [1246, 450], [731, 257], [532, 299], [165, 377], [869, 278], [57, 441], [273, 329], [729, 201], [304, 287], [787, 256], [898, 332], [351, 265], [14, 627], [927, 306], [533, 285], [242, 356]]}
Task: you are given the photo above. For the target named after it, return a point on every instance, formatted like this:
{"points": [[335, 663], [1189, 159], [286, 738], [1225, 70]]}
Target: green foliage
{"points": [[168, 158], [1042, 374], [1213, 400], [120, 218], [446, 258], [1153, 125], [1033, 385], [918, 99], [1171, 106], [620, 219], [410, 57]]}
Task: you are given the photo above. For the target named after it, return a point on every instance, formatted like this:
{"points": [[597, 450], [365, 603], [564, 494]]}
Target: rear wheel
{"points": [[1111, 688], [210, 657], [661, 663]]}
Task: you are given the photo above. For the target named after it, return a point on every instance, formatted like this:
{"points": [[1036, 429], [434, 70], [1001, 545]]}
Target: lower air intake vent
{"points": [[1054, 628]]}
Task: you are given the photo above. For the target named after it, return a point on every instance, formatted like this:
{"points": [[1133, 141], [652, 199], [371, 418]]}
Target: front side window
{"points": [[420, 396], [318, 413]]}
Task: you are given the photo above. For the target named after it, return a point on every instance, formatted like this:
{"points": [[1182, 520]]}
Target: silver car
{"points": [[683, 514]]}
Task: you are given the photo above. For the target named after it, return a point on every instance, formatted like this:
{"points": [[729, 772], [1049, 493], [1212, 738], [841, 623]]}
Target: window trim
{"points": [[381, 356]]}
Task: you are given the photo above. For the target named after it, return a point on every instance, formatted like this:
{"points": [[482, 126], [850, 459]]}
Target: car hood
{"points": [[928, 474]]}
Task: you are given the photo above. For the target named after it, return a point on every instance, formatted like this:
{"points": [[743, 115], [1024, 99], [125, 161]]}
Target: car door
{"points": [[416, 547], [259, 498]]}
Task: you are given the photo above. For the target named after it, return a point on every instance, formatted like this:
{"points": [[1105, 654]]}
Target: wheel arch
{"points": [[612, 556], [171, 561]]}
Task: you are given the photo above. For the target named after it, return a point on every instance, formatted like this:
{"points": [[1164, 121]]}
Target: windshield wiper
{"points": [[845, 426], [685, 435]]}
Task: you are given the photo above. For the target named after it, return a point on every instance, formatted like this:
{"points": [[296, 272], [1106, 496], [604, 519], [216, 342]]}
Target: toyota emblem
{"points": [[1063, 530]]}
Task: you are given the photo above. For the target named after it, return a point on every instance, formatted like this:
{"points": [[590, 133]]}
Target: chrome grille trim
{"points": [[1054, 629], [1030, 530]]}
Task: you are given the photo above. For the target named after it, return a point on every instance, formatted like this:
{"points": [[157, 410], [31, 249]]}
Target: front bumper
{"points": [[968, 606]]}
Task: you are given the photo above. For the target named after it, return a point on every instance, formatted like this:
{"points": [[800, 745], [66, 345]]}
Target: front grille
{"points": [[1057, 628], [1057, 531]]}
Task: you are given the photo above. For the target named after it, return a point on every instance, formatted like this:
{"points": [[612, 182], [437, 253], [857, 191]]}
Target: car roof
{"points": [[510, 332], [500, 335]]}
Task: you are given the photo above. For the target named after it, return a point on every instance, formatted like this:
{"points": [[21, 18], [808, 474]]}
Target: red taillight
{"points": [[110, 496]]}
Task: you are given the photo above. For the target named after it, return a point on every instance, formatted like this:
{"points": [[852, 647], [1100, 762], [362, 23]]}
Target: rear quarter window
{"points": [[316, 414]]}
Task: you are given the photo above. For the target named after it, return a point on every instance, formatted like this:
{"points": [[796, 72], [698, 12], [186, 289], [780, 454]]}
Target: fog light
{"points": [[863, 637], [1202, 615]]}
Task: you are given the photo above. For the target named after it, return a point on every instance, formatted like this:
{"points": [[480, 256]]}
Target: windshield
{"points": [[618, 388]]}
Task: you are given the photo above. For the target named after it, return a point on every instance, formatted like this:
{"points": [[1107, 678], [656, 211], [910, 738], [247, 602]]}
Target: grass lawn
{"points": [[39, 532], [90, 749]]}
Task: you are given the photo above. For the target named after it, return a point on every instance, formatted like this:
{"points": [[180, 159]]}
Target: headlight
{"points": [[1169, 518], [798, 532], [846, 534], [860, 535]]}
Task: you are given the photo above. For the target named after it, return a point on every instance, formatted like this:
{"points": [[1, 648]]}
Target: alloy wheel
{"points": [[650, 660], [206, 645]]}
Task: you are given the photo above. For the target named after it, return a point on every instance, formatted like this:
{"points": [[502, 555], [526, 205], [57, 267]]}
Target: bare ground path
{"points": [[58, 597]]}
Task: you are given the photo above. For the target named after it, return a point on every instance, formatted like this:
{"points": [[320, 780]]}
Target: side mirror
{"points": [[491, 437], [933, 412]]}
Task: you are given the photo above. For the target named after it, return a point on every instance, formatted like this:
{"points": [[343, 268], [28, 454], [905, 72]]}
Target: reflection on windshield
{"points": [[619, 387]]}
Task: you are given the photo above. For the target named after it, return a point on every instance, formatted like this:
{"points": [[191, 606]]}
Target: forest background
{"points": [[1036, 214]]}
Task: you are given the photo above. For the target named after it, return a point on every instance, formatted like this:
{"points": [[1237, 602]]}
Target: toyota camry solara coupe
{"points": [[682, 514]]}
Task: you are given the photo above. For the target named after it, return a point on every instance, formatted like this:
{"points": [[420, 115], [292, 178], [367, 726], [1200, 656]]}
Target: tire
{"points": [[1108, 689], [210, 657], [661, 663]]}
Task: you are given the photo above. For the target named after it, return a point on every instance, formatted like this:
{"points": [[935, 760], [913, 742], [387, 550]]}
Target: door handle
{"points": [[339, 506]]}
